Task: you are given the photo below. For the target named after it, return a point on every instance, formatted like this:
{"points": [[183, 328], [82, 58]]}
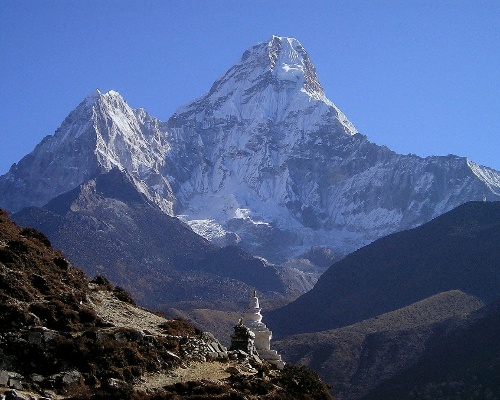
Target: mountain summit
{"points": [[263, 160], [271, 157], [272, 82], [289, 60]]}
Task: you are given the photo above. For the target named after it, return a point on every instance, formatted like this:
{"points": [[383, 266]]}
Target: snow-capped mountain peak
{"points": [[274, 82], [263, 157], [290, 61], [92, 96], [269, 153]]}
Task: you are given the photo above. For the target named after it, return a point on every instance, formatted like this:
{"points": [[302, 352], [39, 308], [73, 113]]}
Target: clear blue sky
{"points": [[418, 76]]}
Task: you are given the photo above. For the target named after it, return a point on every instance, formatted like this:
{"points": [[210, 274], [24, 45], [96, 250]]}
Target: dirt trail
{"points": [[196, 371], [125, 315]]}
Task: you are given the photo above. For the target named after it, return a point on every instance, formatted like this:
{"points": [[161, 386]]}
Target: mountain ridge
{"points": [[463, 363], [109, 228], [358, 358]]}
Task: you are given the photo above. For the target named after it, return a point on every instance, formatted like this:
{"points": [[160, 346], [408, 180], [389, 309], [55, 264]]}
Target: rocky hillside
{"points": [[459, 250], [65, 337]]}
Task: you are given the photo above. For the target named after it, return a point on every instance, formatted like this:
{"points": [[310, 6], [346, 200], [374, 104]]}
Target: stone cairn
{"points": [[243, 339]]}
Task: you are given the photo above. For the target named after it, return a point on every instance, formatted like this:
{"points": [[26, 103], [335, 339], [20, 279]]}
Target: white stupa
{"points": [[253, 320]]}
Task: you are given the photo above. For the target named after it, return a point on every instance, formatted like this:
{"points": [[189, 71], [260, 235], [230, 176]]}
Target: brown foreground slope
{"points": [[65, 337]]}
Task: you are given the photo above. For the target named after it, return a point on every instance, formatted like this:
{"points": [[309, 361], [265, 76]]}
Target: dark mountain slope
{"points": [[458, 250], [356, 358], [38, 284], [463, 364], [235, 263], [108, 227]]}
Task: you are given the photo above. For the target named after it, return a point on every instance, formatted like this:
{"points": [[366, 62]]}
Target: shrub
{"points": [[102, 282], [33, 233], [123, 295], [302, 381], [180, 327]]}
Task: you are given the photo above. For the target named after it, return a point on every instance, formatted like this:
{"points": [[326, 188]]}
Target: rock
{"points": [[64, 378], [104, 336], [33, 319], [211, 348], [256, 359], [241, 354], [35, 338], [70, 377], [250, 370], [208, 337], [121, 337], [222, 348], [129, 335], [49, 335], [173, 355], [62, 263], [116, 383], [233, 370], [37, 378], [15, 383], [11, 379], [4, 378], [13, 395], [40, 283], [150, 339]]}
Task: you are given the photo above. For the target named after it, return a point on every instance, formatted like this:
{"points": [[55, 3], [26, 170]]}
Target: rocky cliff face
{"points": [[264, 160]]}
